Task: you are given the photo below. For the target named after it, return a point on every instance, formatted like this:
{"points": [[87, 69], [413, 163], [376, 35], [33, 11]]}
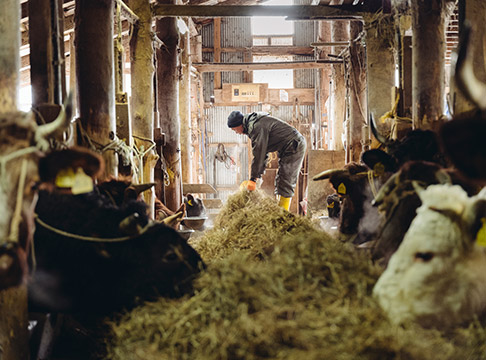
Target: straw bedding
{"points": [[277, 288]]}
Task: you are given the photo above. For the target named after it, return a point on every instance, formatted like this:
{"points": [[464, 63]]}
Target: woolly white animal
{"points": [[437, 277]]}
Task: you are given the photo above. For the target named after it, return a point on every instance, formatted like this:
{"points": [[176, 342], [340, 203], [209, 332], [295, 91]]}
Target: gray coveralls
{"points": [[269, 134]]}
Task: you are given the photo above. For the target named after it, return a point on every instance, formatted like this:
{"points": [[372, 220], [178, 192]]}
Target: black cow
{"points": [[94, 256], [354, 184], [194, 206], [333, 206]]}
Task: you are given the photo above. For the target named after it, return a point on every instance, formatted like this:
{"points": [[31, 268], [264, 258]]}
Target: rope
{"points": [[140, 153], [88, 238], [371, 180], [17, 215], [222, 156]]}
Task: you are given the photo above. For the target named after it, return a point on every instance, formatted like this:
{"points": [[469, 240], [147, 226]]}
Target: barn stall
{"points": [[153, 84]]}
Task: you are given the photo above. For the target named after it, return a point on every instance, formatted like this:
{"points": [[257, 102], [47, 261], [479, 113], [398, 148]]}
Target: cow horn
{"points": [[464, 76], [327, 174], [386, 189], [140, 188], [374, 129], [60, 123], [173, 219], [443, 177]]}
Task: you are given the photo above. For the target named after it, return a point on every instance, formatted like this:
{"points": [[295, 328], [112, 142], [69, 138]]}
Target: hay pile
{"points": [[310, 299], [250, 222]]}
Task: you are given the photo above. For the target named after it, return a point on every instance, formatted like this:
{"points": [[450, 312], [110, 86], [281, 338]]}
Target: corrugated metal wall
{"points": [[286, 113], [304, 78], [232, 77], [236, 32]]}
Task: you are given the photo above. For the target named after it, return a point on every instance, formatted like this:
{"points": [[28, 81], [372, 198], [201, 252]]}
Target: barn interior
{"points": [[153, 83]]}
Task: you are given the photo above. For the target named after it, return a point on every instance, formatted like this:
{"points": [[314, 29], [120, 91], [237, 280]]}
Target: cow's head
{"points": [[22, 143], [437, 275], [414, 145]]}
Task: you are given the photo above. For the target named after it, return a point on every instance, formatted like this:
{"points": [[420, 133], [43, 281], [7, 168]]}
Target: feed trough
{"points": [[185, 233], [194, 222]]}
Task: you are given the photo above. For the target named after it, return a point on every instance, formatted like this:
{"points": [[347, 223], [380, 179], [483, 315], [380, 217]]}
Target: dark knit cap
{"points": [[235, 119]]}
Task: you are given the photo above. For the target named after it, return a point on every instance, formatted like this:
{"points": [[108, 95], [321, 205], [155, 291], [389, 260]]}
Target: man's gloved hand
{"points": [[248, 185], [251, 185]]}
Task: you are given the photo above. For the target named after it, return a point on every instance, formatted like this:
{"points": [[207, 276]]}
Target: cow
{"points": [[364, 180], [437, 277], [397, 201], [194, 206], [417, 144], [121, 190], [333, 202], [354, 184], [93, 256], [23, 142]]}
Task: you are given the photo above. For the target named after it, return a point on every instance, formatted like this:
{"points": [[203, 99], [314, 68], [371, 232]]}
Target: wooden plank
{"points": [[294, 11], [198, 189], [212, 203], [311, 64]]}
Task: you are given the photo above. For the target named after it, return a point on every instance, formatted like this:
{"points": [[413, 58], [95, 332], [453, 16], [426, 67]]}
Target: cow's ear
{"points": [[379, 161], [478, 226]]}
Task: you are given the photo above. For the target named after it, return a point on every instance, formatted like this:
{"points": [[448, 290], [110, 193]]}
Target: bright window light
{"points": [[276, 79], [272, 25], [25, 98]]}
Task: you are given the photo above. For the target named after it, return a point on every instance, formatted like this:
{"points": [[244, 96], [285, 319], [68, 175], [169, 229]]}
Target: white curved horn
{"points": [[464, 75], [61, 123]]}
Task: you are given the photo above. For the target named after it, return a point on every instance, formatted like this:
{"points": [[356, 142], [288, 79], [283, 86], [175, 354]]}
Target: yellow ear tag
{"points": [[65, 178], [82, 183], [481, 235], [331, 205], [190, 203], [341, 189], [379, 169]]}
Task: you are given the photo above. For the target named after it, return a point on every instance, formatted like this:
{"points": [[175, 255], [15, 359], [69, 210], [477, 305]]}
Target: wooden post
{"points": [[339, 32], [41, 52], [428, 48], [142, 86], [323, 116], [95, 75], [185, 108], [14, 337], [380, 45], [406, 75], [357, 92], [168, 107], [217, 51]]}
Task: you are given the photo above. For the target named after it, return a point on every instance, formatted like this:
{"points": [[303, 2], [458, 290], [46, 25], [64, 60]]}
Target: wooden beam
{"points": [[269, 50], [330, 43], [213, 67], [295, 12], [198, 189]]}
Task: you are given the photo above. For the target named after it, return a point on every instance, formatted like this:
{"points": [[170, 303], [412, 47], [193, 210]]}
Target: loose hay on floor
{"points": [[310, 299], [249, 221]]}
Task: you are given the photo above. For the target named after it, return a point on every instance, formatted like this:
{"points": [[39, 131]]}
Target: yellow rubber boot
{"points": [[284, 202]]}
